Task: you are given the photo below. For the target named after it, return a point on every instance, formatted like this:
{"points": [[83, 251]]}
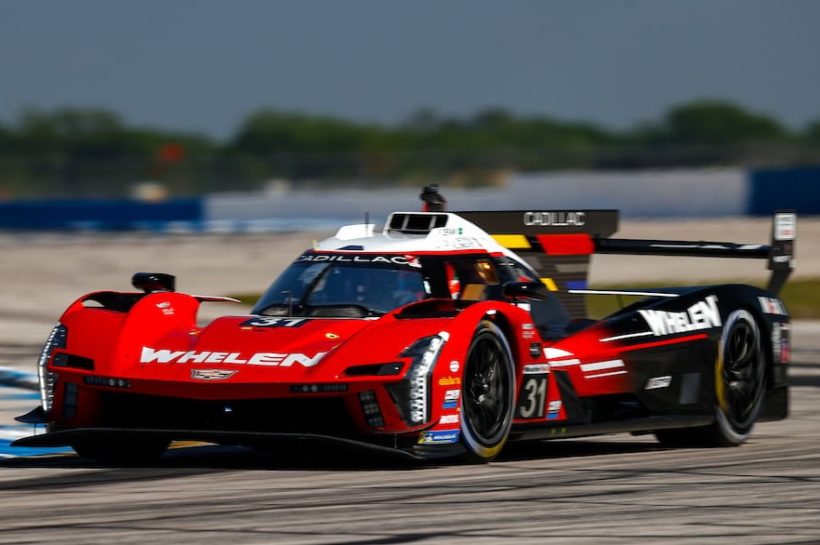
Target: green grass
{"points": [[802, 298]]}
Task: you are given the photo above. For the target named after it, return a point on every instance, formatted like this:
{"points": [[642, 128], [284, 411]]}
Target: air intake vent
{"points": [[416, 224], [70, 360]]}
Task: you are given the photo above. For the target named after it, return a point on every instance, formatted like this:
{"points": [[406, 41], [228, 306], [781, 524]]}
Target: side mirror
{"points": [[151, 282], [535, 291]]}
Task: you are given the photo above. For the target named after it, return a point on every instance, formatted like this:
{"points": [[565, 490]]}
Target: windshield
{"points": [[367, 286]]}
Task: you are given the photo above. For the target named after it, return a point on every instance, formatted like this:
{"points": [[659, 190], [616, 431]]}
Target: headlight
{"points": [[424, 352], [57, 339]]}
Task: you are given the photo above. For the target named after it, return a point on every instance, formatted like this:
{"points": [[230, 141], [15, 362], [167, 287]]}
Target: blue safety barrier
{"points": [[96, 215], [796, 188]]}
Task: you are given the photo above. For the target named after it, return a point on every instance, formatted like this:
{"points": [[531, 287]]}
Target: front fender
{"points": [[110, 328]]}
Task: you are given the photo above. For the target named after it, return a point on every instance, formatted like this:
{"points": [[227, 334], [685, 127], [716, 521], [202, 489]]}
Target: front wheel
{"points": [[740, 382], [487, 393]]}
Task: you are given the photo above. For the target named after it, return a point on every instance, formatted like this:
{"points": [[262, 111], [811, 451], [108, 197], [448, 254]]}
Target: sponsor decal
{"points": [[536, 368], [271, 359], [262, 321], [452, 395], [212, 374], [771, 305], [463, 243], [449, 419], [702, 315], [785, 226], [451, 231], [342, 258], [451, 398], [656, 383], [785, 345], [781, 346], [553, 410], [439, 437], [777, 338], [454, 366], [166, 308], [331, 336], [449, 381], [555, 219]]}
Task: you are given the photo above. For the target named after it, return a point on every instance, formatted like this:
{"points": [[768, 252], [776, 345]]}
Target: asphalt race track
{"points": [[617, 489]]}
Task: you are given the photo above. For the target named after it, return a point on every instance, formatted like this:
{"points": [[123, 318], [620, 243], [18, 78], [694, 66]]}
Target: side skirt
{"points": [[641, 425]]}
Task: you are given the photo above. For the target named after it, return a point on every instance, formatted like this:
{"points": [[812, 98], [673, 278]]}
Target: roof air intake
{"points": [[416, 224]]}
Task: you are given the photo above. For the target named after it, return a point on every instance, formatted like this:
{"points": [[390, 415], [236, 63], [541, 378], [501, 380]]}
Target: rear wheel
{"points": [[120, 450], [740, 382], [487, 393]]}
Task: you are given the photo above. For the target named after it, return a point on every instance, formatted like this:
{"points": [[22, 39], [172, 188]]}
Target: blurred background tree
{"points": [[86, 152]]}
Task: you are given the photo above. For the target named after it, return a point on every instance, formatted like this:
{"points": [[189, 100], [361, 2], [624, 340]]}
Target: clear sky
{"points": [[205, 64]]}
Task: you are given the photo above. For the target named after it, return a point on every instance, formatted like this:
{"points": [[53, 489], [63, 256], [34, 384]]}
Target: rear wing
{"points": [[779, 252], [558, 245]]}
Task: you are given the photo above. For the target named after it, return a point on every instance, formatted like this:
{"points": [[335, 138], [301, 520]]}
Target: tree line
{"points": [[93, 152]]}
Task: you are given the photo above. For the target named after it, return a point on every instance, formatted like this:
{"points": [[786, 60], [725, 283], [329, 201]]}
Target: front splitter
{"points": [[227, 437]]}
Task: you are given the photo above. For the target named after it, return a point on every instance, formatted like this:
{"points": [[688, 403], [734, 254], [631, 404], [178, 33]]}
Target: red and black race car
{"points": [[445, 334]]}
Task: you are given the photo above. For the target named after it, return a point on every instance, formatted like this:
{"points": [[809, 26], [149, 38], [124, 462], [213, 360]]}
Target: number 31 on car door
{"points": [[532, 398]]}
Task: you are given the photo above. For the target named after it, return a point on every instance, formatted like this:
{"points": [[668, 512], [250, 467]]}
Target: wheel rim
{"points": [[487, 397], [742, 374]]}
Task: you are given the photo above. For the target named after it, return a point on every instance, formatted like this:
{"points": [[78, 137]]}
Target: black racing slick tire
{"points": [[121, 451], [740, 384], [488, 394]]}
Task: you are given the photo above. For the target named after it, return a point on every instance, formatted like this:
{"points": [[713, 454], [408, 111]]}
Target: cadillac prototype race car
{"points": [[445, 334]]}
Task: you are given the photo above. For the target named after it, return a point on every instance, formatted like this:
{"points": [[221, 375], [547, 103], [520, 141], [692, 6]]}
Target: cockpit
{"points": [[344, 285], [360, 285]]}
